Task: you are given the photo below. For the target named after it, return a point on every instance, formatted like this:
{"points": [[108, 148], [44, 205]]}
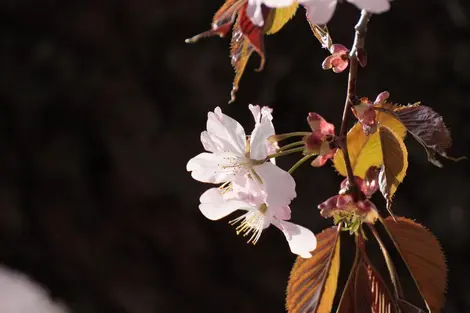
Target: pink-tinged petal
{"points": [[339, 65], [226, 132], [278, 3], [215, 168], [319, 11], [264, 114], [317, 122], [329, 204], [373, 6], [277, 183], [214, 207], [281, 213], [255, 12], [313, 142], [382, 97], [300, 239], [319, 161], [338, 48]]}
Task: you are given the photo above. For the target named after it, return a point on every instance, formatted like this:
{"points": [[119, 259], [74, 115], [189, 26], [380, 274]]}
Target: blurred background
{"points": [[102, 104]]}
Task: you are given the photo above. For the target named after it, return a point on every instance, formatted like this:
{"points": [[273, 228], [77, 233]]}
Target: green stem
{"points": [[280, 137], [291, 145], [287, 152], [300, 162]]}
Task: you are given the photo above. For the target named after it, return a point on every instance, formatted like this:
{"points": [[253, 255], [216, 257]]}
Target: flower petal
{"points": [[278, 184], [278, 3], [319, 11], [259, 143], [226, 132], [373, 6], [214, 207], [300, 239], [214, 168], [254, 12]]}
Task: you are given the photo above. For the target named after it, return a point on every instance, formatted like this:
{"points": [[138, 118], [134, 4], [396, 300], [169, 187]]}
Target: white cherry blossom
{"points": [[318, 11], [217, 203], [232, 155]]}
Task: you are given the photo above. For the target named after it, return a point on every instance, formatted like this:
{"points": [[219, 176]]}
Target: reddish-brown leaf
{"points": [[246, 38], [312, 282], [365, 291], [424, 258], [428, 128]]}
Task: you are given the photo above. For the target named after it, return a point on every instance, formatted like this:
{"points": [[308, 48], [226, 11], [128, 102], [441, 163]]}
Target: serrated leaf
{"points": [[424, 258], [277, 18], [395, 163], [366, 151], [365, 291], [428, 128], [372, 295], [312, 282]]}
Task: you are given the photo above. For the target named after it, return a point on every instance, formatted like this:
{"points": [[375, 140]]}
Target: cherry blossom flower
{"points": [[365, 112], [338, 60], [318, 11], [217, 203], [231, 156], [354, 209], [320, 141]]}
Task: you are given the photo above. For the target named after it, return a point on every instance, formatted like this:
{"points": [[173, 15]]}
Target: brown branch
{"points": [[357, 51]]}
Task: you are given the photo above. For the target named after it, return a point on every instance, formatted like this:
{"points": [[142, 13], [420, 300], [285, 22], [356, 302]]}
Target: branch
{"points": [[357, 52]]}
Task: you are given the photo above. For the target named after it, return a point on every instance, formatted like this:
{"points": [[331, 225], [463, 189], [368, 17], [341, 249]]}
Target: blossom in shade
{"points": [[338, 60], [320, 141], [364, 111]]}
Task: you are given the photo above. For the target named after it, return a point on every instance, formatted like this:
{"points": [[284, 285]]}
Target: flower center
{"points": [[252, 222]]}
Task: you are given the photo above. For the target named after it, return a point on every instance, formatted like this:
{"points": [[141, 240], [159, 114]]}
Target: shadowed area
{"points": [[102, 104]]}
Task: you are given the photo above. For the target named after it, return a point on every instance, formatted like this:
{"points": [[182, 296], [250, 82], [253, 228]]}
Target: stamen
{"points": [[250, 223]]}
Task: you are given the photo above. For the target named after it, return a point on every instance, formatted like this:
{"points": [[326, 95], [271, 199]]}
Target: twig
{"points": [[358, 45]]}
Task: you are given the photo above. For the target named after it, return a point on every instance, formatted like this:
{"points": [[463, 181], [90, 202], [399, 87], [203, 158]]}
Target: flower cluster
{"points": [[318, 11], [250, 180]]}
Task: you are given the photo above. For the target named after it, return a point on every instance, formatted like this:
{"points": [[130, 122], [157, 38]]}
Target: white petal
{"points": [[301, 240], [278, 184], [254, 12], [278, 3], [259, 144], [214, 207], [373, 6], [226, 132], [215, 168], [209, 144], [319, 11]]}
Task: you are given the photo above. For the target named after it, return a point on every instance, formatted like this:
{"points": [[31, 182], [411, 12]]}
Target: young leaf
{"points": [[372, 295], [365, 151], [246, 38], [312, 282], [424, 258], [395, 163], [365, 291], [277, 18], [428, 128]]}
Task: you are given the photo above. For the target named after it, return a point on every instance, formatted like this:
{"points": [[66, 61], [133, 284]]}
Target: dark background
{"points": [[102, 104]]}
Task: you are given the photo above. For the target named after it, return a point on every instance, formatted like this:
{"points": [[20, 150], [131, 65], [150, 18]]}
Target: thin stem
{"points": [[291, 145], [351, 96], [300, 162], [280, 137], [287, 152], [388, 261]]}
